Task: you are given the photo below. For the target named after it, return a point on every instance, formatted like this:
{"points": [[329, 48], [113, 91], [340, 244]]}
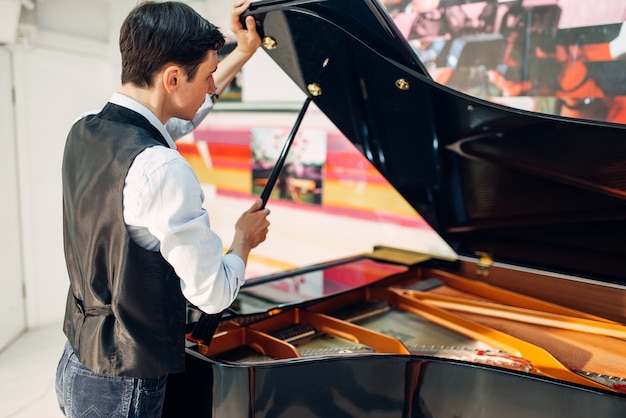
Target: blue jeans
{"points": [[82, 393]]}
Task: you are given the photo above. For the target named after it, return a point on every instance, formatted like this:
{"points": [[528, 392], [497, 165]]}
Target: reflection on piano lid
{"points": [[261, 295], [532, 311]]}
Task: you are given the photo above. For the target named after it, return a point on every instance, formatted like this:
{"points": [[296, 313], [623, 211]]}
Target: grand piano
{"points": [[527, 320]]}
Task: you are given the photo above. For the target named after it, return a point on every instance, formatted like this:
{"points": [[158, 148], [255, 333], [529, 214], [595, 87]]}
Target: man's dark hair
{"points": [[155, 33]]}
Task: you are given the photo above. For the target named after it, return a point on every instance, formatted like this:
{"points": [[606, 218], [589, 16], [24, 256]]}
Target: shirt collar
{"points": [[132, 104]]}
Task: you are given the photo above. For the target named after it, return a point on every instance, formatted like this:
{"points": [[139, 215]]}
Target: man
{"points": [[137, 240]]}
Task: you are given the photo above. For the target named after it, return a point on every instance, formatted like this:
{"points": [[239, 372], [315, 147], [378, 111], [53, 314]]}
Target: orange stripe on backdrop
{"points": [[231, 155], [351, 185]]}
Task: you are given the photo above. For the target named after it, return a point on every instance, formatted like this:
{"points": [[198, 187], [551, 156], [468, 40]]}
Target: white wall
{"points": [[12, 319]]}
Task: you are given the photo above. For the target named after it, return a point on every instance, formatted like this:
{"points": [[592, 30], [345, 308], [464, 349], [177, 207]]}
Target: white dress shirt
{"points": [[163, 212]]}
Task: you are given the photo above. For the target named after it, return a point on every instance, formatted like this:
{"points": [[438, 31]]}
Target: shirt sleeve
{"points": [[163, 210], [177, 128]]}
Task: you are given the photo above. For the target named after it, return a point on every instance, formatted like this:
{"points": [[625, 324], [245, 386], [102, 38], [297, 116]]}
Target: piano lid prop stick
{"points": [[271, 181], [207, 324]]}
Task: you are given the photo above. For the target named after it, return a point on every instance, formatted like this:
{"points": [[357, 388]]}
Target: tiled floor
{"points": [[27, 370]]}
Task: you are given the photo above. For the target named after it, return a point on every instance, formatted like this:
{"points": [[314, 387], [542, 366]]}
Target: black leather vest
{"points": [[125, 313]]}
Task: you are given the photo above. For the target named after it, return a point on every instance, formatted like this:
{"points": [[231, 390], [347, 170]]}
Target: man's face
{"points": [[191, 93]]}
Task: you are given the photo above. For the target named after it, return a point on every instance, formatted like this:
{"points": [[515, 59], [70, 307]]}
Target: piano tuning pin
{"points": [[314, 89], [269, 43], [402, 84]]}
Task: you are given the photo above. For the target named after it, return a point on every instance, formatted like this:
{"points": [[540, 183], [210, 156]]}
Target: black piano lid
{"points": [[531, 189]]}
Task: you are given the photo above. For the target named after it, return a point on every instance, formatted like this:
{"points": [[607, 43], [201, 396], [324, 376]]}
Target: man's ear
{"points": [[172, 77]]}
